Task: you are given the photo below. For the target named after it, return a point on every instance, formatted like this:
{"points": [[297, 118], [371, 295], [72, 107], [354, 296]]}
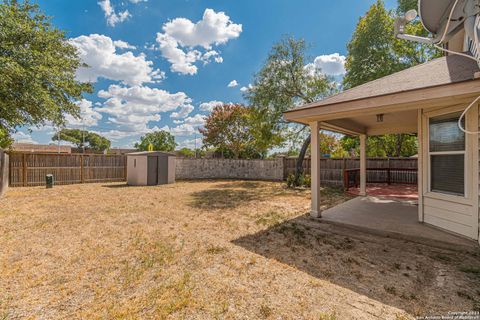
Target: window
{"points": [[447, 155]]}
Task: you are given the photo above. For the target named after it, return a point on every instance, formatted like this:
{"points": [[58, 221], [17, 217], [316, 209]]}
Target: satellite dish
{"points": [[435, 14], [443, 19]]}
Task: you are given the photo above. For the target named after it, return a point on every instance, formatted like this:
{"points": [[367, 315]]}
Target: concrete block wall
{"points": [[192, 169], [3, 172]]}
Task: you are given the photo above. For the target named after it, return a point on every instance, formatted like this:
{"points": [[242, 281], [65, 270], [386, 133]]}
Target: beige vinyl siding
{"points": [[453, 213], [453, 216]]}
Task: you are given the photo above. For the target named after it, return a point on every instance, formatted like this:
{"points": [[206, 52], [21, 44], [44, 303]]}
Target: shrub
{"points": [[291, 180], [303, 180]]}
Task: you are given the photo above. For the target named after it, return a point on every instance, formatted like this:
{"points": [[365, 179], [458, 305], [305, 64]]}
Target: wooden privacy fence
{"points": [[345, 172], [351, 177], [30, 169]]}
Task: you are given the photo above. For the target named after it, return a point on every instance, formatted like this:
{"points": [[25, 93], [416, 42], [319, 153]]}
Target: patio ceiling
{"points": [[442, 82], [393, 122]]}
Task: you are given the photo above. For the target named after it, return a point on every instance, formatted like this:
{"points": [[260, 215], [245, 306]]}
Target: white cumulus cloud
{"points": [[245, 89], [196, 120], [180, 36], [181, 130], [209, 106], [131, 109], [191, 143], [330, 64], [111, 15], [23, 137], [232, 84], [183, 112], [123, 45], [99, 53], [89, 116]]}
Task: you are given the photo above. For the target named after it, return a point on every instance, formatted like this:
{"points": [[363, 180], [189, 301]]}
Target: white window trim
{"points": [[467, 196]]}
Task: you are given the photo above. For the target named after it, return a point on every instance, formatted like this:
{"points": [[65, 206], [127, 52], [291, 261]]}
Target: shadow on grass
{"points": [[233, 194], [393, 272], [117, 186], [222, 198], [241, 184]]}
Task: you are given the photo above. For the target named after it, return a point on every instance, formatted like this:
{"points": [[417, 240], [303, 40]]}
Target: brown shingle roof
{"points": [[437, 72]]}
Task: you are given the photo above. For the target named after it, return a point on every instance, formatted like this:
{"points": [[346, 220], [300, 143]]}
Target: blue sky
{"points": [[163, 64]]}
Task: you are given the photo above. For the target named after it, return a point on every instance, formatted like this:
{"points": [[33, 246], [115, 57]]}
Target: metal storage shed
{"points": [[149, 168]]}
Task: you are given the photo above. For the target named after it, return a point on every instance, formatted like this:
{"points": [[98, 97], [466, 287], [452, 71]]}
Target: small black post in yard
{"points": [[49, 181]]}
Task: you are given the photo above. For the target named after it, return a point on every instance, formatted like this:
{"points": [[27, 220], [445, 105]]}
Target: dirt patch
{"points": [[212, 249]]}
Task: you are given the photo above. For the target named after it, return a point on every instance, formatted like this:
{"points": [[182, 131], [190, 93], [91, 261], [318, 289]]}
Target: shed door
{"points": [[450, 162], [163, 172], [152, 178]]}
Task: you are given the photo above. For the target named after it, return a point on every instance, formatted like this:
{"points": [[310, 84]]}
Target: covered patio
{"points": [[392, 217], [405, 102]]}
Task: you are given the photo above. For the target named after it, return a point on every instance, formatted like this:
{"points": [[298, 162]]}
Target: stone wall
{"points": [[3, 172], [192, 169]]}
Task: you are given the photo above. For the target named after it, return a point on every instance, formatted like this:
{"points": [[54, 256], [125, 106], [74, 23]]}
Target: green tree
{"points": [[228, 129], [186, 152], [287, 79], [37, 67], [374, 52], [5, 139], [83, 138], [161, 141], [390, 145]]}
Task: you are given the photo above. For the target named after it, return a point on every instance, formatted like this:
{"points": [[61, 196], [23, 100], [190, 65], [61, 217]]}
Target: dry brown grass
{"points": [[208, 250]]}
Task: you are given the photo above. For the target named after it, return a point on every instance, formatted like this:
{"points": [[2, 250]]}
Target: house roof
{"points": [[151, 153], [441, 71]]}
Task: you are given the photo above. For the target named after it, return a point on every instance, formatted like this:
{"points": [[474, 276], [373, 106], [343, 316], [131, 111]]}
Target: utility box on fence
{"points": [[149, 168]]}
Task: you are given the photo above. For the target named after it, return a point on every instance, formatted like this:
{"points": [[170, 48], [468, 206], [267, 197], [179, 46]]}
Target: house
{"points": [[428, 100]]}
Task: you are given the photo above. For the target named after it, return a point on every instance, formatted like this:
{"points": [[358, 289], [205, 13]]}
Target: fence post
{"points": [[388, 171], [125, 167], [82, 179], [4, 172], [24, 171]]}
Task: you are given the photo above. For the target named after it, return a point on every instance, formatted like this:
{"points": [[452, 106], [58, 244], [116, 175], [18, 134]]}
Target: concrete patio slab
{"points": [[394, 218]]}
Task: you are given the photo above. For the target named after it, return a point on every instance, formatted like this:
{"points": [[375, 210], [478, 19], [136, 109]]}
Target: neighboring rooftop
{"points": [[45, 148], [441, 71]]}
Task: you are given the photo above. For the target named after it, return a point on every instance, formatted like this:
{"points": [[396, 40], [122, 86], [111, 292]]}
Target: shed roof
{"points": [[151, 153], [441, 71]]}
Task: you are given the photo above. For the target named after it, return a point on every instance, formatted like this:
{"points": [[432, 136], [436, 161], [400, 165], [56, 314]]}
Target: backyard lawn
{"points": [[212, 249]]}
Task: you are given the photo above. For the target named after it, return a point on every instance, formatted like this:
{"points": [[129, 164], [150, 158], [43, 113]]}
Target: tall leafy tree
{"points": [[374, 52], [390, 145], [160, 140], [37, 67], [286, 80], [228, 129], [83, 138]]}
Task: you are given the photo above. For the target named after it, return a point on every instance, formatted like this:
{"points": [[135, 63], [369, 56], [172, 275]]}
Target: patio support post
{"points": [[315, 169], [363, 165]]}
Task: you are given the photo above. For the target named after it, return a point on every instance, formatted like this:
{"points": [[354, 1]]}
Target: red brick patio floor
{"points": [[401, 191]]}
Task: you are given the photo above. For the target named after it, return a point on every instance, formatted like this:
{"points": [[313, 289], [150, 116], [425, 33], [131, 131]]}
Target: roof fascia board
{"points": [[407, 100]]}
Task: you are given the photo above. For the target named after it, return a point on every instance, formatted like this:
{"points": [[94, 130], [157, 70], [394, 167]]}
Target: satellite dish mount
{"points": [[443, 19]]}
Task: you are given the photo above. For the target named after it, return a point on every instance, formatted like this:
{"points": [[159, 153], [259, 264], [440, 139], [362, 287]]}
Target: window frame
{"points": [[466, 181]]}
